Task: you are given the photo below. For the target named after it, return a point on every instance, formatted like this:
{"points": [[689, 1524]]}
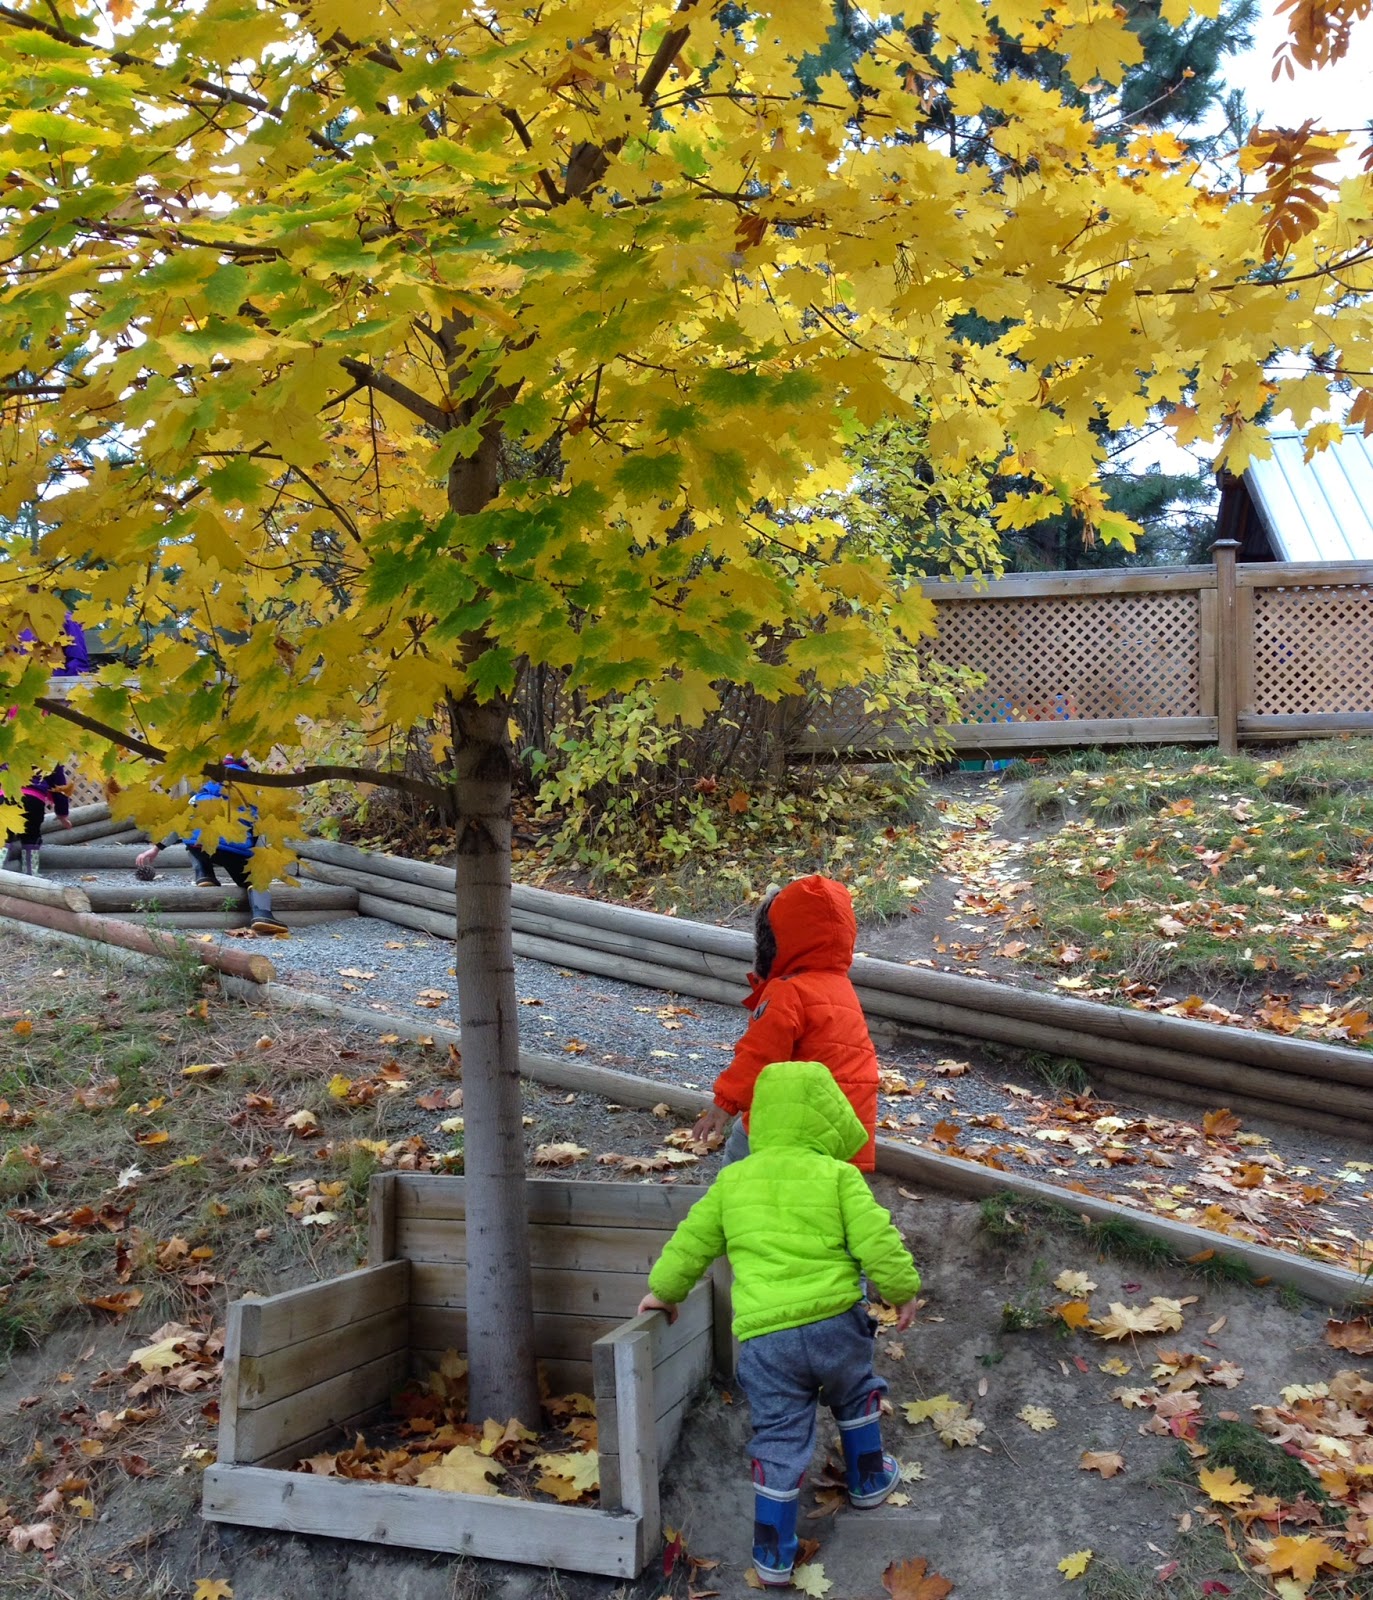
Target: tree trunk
{"points": [[503, 1378]]}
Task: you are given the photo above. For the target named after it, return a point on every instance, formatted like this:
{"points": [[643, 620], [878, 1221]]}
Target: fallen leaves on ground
{"points": [[461, 1470], [1075, 1565], [1037, 1418], [912, 1580], [558, 1155], [1221, 1485], [1355, 1336], [810, 1579], [212, 1589], [1161, 1315], [1107, 1462]]}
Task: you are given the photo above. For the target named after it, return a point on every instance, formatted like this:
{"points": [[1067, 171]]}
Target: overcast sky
{"points": [[1338, 96]]}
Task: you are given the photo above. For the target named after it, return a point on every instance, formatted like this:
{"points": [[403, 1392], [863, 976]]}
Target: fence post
{"points": [[1227, 648]]}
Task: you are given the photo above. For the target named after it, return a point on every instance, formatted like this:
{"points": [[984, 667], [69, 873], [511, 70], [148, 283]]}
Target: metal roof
{"points": [[1317, 510]]}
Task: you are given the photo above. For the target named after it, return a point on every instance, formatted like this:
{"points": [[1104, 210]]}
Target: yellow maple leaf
{"points": [[1221, 1485], [1076, 1284], [462, 1471], [1075, 1565], [1038, 1418], [1301, 1554], [810, 1579], [581, 1468], [212, 1589], [919, 1410]]}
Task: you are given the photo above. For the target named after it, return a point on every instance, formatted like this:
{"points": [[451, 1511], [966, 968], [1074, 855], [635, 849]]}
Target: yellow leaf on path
{"points": [[563, 1490], [912, 1580], [1075, 1565], [581, 1468], [811, 1579], [1116, 1367], [212, 1589], [462, 1471], [919, 1410], [1107, 1462], [1076, 1284], [339, 1085], [1076, 1313], [1038, 1418], [1221, 1485], [1159, 1316]]}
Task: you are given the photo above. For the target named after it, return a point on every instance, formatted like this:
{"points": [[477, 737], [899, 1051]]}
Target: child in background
{"points": [[234, 853], [40, 792], [802, 1007], [798, 1223]]}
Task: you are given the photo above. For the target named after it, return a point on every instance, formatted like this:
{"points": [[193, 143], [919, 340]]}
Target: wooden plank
{"points": [[297, 1314], [381, 1218], [1227, 647], [1082, 730], [1026, 585], [683, 1375], [332, 1438], [973, 738], [722, 1319], [612, 1294], [1206, 652], [227, 1448], [1303, 574], [1244, 653], [561, 1376], [493, 1527], [554, 1200], [588, 1249], [1311, 726], [321, 1406], [635, 1432], [265, 1379], [558, 1334]]}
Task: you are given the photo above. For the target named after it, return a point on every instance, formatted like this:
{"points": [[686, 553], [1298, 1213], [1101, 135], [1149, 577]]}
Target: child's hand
{"points": [[709, 1124], [651, 1302], [905, 1315]]}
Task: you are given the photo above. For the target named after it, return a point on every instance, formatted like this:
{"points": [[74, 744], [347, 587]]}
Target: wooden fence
{"points": [[1219, 655]]}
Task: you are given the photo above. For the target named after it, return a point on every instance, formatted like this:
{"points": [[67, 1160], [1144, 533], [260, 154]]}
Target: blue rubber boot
{"points": [[774, 1530], [872, 1474]]}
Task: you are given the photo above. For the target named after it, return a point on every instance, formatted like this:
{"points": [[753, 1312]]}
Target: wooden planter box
{"points": [[299, 1367]]}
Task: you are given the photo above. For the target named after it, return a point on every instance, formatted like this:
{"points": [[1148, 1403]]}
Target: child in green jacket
{"points": [[798, 1224]]}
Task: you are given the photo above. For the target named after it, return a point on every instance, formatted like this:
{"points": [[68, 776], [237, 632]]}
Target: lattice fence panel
{"points": [[1312, 650], [1048, 657], [1052, 657]]}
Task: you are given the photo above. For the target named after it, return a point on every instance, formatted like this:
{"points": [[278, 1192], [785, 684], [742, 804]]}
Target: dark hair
{"points": [[764, 938]]}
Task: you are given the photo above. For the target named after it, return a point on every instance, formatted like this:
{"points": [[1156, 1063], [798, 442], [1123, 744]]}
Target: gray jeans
{"points": [[785, 1375], [736, 1146]]}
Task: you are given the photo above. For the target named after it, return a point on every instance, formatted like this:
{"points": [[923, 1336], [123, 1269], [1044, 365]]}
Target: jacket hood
{"points": [[813, 921], [798, 1104]]}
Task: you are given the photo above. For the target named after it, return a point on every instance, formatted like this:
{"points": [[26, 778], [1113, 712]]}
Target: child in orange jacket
{"points": [[802, 1008]]}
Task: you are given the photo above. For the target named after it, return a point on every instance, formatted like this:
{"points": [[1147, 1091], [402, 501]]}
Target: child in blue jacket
{"points": [[234, 852]]}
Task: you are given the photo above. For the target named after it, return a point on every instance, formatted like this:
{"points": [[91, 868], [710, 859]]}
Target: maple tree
{"points": [[354, 356]]}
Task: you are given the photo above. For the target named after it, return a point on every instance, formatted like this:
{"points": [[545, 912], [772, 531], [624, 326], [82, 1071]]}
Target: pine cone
{"points": [[144, 874]]}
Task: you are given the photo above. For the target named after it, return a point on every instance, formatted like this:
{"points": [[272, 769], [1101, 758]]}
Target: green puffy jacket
{"points": [[795, 1219]]}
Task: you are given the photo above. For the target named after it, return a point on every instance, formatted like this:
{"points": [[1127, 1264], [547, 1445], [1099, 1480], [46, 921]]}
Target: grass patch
{"points": [[1211, 868], [1257, 1461], [1201, 1556], [1012, 1219], [1060, 1073]]}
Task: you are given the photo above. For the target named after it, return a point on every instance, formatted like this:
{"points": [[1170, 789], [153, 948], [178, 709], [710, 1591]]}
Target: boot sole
{"points": [[773, 1577]]}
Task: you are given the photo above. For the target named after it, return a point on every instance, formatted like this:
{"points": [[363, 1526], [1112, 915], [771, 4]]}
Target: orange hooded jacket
{"points": [[806, 1009]]}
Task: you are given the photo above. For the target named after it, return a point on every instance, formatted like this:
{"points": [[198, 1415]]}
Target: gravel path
{"points": [[1283, 1185]]}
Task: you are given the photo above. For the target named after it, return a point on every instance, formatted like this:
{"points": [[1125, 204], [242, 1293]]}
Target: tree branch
{"points": [[401, 393], [301, 778]]}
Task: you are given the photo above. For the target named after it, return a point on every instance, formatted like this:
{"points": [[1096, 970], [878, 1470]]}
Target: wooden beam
{"points": [[492, 1527], [20, 886]]}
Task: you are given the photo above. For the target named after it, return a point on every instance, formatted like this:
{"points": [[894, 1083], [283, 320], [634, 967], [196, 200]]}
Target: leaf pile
{"points": [[427, 1441]]}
